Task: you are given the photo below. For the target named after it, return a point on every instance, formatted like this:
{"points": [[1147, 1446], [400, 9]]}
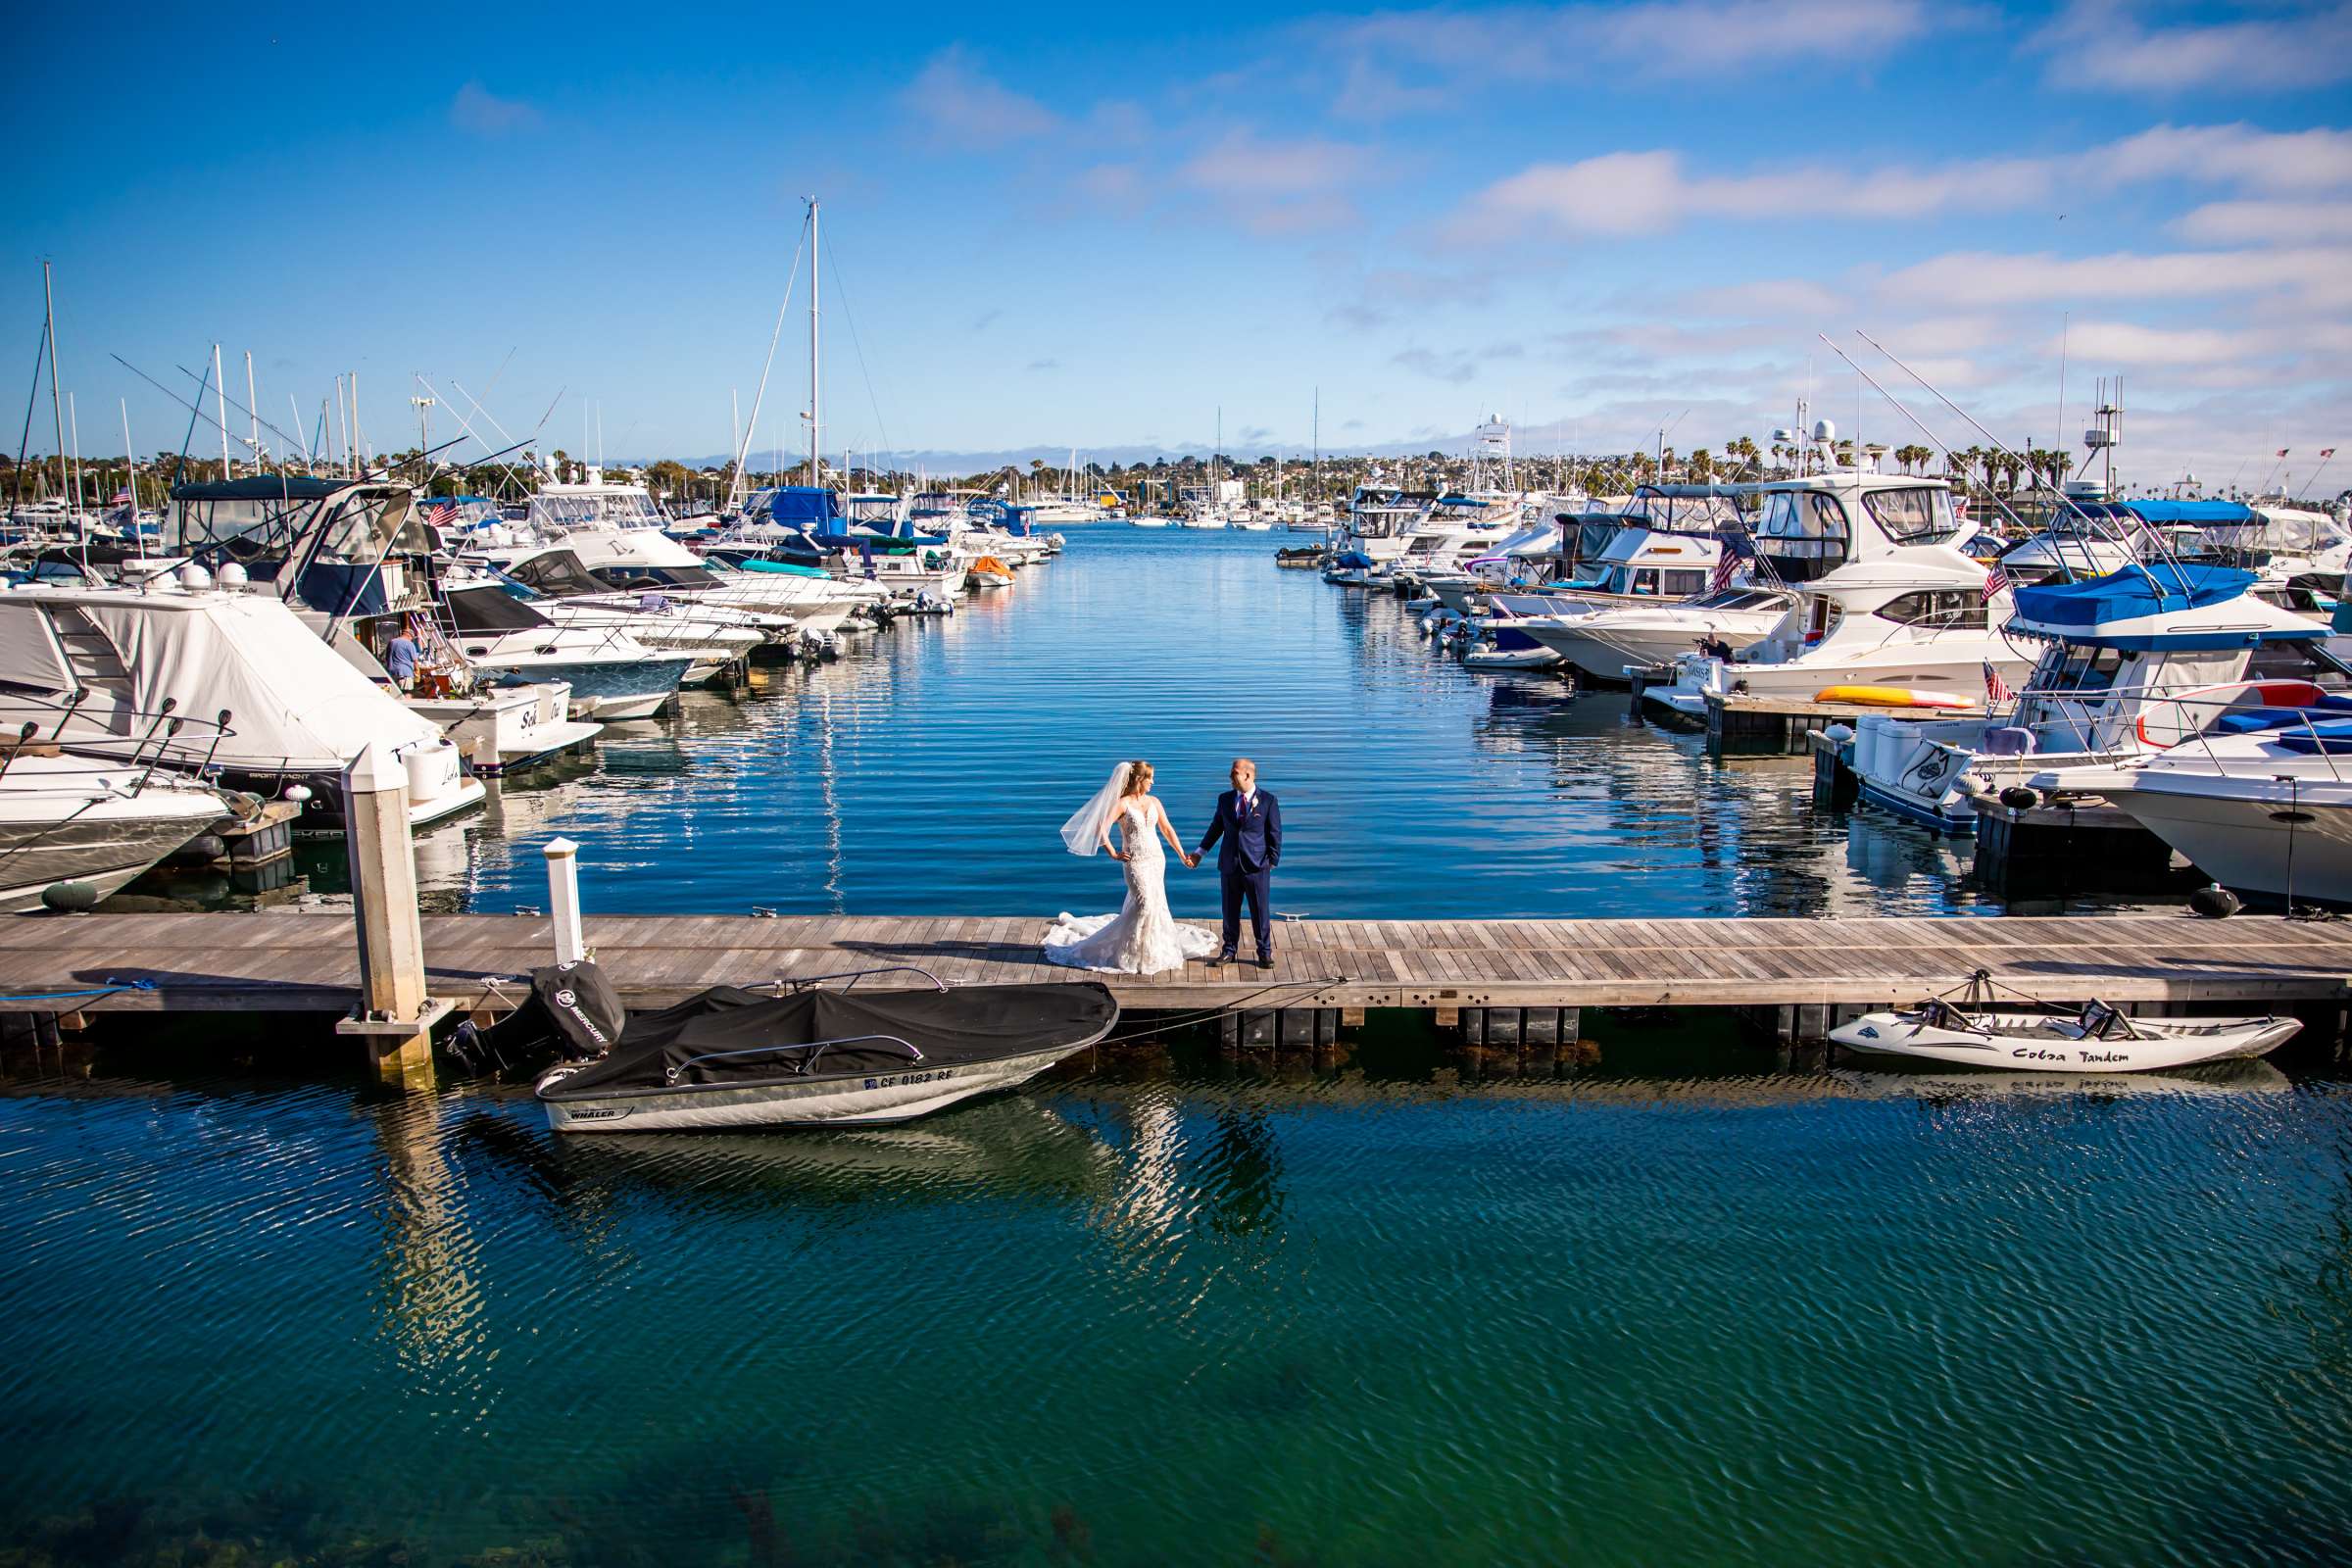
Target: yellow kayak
{"points": [[1889, 697]]}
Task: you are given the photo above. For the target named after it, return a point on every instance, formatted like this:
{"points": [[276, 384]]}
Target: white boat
{"points": [[84, 820], [1648, 636], [735, 1059], [1382, 519], [2267, 811], [2131, 664], [611, 676], [1887, 601], [91, 665], [714, 637], [1507, 648], [2096, 1040]]}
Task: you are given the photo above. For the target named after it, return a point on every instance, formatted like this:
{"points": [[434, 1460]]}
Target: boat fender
{"points": [[69, 898], [2020, 798], [2215, 902]]}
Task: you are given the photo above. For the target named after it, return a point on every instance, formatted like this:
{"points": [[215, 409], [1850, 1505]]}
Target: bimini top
{"points": [[266, 487], [2160, 606], [805, 504]]}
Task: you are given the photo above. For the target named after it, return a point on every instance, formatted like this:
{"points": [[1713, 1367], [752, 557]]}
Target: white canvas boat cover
{"points": [[293, 703]]}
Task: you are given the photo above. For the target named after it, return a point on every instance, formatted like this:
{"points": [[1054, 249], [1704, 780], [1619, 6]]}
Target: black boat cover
{"points": [[731, 1035]]}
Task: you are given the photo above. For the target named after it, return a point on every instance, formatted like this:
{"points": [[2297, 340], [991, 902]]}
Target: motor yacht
{"points": [[1886, 602], [1648, 636], [561, 587], [102, 670], [81, 820], [2131, 663], [612, 674], [1382, 519], [2260, 801]]}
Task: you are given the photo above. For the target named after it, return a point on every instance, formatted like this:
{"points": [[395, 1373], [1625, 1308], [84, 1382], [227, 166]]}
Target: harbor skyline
{"points": [[1600, 223]]}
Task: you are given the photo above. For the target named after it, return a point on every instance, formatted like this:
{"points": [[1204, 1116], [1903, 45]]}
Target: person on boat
{"points": [[401, 657]]}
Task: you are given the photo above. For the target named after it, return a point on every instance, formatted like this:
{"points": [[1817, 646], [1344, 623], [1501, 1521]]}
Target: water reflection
{"points": [[928, 769]]}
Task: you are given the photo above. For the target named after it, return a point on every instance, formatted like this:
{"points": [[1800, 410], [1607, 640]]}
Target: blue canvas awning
{"points": [[803, 504], [2192, 513], [2131, 593]]}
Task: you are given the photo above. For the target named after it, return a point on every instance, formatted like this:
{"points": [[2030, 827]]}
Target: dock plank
{"points": [[304, 961]]}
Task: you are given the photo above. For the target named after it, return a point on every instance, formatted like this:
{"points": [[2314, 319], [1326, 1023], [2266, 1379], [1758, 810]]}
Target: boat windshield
{"points": [[1921, 515], [612, 509], [1805, 532]]}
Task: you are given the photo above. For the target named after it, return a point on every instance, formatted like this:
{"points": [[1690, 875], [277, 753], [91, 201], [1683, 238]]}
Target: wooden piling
{"points": [[396, 1011]]}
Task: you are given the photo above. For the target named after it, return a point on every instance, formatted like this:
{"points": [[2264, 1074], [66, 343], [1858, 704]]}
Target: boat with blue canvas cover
{"points": [[2131, 664]]}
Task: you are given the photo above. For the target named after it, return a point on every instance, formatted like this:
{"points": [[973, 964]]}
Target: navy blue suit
{"points": [[1250, 840]]}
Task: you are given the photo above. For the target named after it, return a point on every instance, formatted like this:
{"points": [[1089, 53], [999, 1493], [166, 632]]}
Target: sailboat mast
{"points": [[57, 411], [221, 408], [253, 408], [815, 411]]}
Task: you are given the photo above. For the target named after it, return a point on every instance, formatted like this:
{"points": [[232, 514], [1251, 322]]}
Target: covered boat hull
{"points": [[862, 1099]]}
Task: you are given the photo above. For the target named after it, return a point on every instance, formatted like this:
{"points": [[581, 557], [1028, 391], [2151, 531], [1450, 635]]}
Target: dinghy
{"points": [[808, 1058], [2096, 1040]]}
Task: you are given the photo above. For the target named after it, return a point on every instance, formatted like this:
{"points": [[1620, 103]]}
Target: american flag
{"points": [[1995, 581], [1727, 566], [1996, 690], [2327, 452], [2282, 451], [441, 513]]}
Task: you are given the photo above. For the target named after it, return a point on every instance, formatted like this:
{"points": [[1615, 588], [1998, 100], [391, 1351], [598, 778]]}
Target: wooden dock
{"points": [[308, 962]]}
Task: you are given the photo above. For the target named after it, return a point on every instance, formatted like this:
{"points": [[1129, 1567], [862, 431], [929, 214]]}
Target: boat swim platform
{"points": [[308, 962]]}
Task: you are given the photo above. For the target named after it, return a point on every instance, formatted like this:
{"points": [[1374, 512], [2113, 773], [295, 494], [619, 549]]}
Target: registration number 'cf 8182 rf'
{"points": [[895, 1079]]}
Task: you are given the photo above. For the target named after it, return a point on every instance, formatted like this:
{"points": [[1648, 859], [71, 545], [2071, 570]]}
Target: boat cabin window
{"points": [[1936, 611], [489, 610], [2081, 670], [1920, 515], [636, 576], [1684, 584], [1805, 533]]}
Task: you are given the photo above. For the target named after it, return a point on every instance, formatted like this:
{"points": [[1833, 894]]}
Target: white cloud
{"points": [[479, 110], [1649, 192], [1663, 37], [2128, 344], [1277, 186], [2267, 222], [1980, 278], [959, 104], [2103, 43]]}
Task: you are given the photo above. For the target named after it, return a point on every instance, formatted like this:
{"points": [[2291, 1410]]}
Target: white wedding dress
{"points": [[1142, 938]]}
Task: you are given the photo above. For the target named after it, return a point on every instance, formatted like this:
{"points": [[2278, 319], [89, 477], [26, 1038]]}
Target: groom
{"points": [[1249, 822]]}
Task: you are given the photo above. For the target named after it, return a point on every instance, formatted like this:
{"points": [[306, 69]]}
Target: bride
{"points": [[1142, 938]]}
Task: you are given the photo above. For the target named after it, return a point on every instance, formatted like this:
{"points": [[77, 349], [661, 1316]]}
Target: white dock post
{"points": [[397, 1015], [563, 899]]}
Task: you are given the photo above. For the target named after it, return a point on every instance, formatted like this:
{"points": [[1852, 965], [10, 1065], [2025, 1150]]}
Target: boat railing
{"points": [[800, 983], [165, 727], [815, 1049]]}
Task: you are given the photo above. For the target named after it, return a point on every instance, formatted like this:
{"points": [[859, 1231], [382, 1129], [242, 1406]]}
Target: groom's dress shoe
{"points": [[1265, 960], [1222, 958]]}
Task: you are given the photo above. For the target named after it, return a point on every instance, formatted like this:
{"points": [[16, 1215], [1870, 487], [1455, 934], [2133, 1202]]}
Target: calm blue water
{"points": [[1687, 1306], [930, 770]]}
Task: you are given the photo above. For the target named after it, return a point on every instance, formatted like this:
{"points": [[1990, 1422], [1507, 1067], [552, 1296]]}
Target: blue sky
{"points": [[1093, 227]]}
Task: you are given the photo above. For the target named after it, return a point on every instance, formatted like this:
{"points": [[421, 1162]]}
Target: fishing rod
{"points": [[1940, 444], [2097, 525]]}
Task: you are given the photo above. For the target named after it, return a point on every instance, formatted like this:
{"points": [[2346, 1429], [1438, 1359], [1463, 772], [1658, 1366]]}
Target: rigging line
{"points": [[873, 398], [1942, 445], [465, 424], [222, 392], [40, 356], [751, 427], [2065, 501]]}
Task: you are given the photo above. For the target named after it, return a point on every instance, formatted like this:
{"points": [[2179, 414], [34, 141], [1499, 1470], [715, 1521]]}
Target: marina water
{"points": [[929, 771], [1685, 1300]]}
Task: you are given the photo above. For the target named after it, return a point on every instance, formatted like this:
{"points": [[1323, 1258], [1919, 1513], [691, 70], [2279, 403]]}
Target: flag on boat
{"points": [[1995, 581], [1996, 690], [441, 513], [1727, 566], [121, 496], [2282, 451], [2327, 452]]}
